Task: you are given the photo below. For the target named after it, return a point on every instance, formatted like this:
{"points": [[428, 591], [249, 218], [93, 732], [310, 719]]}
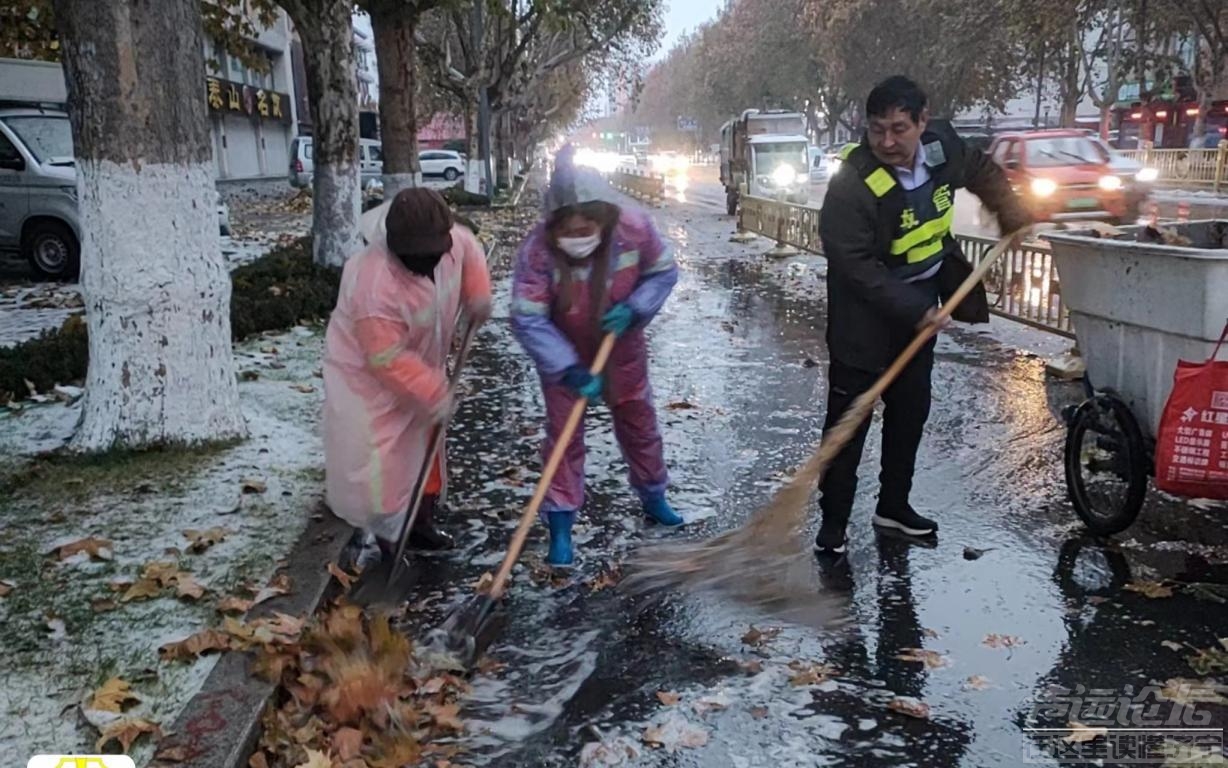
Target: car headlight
{"points": [[784, 175], [1043, 187], [1147, 174], [833, 165], [1110, 183]]}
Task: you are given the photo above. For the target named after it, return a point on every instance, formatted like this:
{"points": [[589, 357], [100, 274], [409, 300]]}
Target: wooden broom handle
{"points": [[552, 466]]}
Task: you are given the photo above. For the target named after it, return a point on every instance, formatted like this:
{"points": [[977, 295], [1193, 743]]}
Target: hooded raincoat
{"points": [[559, 334], [385, 362]]}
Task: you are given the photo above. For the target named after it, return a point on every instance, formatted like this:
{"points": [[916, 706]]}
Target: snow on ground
{"points": [[142, 504]]}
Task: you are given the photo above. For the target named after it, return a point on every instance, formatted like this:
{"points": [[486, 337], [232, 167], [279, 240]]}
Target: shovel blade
{"points": [[467, 633]]}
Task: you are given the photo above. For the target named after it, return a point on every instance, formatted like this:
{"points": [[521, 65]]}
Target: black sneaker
{"points": [[831, 539], [429, 538], [906, 520]]}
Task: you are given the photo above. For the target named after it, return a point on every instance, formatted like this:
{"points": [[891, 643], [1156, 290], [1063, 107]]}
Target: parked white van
{"points": [[302, 161]]}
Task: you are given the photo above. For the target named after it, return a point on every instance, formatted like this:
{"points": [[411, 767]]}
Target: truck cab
{"points": [[766, 154]]}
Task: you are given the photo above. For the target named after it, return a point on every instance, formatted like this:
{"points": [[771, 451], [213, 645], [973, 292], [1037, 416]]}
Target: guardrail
{"points": [[1024, 285], [1195, 168], [642, 185]]}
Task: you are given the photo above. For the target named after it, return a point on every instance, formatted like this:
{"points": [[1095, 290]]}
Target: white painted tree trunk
{"points": [[156, 289], [157, 295], [327, 33]]}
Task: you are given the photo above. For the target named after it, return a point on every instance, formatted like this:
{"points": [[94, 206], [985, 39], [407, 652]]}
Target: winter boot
{"points": [[561, 554], [425, 535], [659, 510]]}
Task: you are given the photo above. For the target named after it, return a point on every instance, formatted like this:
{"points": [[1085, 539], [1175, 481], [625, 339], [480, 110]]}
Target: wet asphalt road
{"points": [[739, 373]]}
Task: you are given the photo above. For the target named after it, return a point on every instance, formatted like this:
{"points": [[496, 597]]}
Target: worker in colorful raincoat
{"points": [[385, 378], [591, 268]]}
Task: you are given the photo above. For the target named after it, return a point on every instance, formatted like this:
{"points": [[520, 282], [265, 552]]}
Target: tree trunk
{"points": [[471, 127], [328, 40], [502, 151], [1200, 122], [397, 59], [1106, 120], [156, 288]]}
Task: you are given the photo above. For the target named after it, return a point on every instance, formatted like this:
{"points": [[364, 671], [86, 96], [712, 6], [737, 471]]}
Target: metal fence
{"points": [[1023, 286], [642, 185], [1193, 168]]}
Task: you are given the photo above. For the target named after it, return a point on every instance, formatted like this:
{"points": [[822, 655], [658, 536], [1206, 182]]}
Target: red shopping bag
{"points": [[1192, 447]]}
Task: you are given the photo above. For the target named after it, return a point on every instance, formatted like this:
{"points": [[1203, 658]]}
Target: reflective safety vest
{"points": [[922, 236]]}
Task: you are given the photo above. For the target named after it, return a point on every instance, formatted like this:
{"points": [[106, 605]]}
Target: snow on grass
{"points": [[142, 503]]}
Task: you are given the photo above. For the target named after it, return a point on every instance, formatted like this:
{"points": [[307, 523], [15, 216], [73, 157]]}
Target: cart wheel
{"points": [[1106, 464]]}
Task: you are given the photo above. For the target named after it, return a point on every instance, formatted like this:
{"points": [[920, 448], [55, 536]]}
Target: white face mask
{"points": [[580, 247]]}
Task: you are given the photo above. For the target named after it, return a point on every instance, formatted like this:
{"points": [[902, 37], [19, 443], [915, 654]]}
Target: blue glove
{"points": [[582, 382], [618, 319]]}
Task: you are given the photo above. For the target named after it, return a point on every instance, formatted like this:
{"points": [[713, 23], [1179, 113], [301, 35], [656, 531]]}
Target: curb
{"points": [[220, 724]]}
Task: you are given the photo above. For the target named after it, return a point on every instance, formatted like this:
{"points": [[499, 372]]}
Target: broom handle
{"points": [[552, 466], [837, 437]]}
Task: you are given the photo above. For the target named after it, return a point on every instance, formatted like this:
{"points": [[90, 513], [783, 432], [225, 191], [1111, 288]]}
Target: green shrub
{"points": [[55, 357], [273, 293], [280, 289]]}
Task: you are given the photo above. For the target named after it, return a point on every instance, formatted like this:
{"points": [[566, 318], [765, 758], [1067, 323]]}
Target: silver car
{"points": [[38, 191]]}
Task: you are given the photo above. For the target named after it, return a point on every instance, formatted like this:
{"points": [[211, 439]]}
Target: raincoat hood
{"points": [[571, 186]]}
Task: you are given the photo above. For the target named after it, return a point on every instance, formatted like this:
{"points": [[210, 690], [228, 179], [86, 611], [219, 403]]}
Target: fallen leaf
{"points": [[1187, 692], [103, 604], [1209, 661], [668, 698], [680, 405], [608, 578], [1152, 589], [316, 760], [114, 695], [97, 548], [280, 585], [195, 645], [614, 752], [752, 667], [282, 624], [174, 754], [127, 731], [1097, 600], [343, 578], [976, 683], [675, 733], [907, 705], [972, 553], [306, 389], [144, 589], [484, 582], [164, 572], [258, 760], [199, 541], [253, 485], [348, 743], [809, 674], [757, 637], [1209, 591], [1080, 733], [714, 703], [233, 604], [1172, 645], [758, 713], [1002, 641], [445, 716], [931, 659], [188, 587], [248, 375], [6, 588]]}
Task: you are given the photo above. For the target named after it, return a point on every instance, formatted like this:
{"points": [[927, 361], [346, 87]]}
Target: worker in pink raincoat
{"points": [[591, 268], [385, 378]]}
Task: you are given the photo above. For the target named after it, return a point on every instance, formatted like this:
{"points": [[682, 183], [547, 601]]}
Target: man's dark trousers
{"points": [[907, 407]]}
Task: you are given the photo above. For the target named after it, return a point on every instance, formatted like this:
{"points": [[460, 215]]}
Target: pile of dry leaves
{"points": [[355, 697]]}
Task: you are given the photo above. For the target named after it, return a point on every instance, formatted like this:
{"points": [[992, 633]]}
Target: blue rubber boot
{"points": [[561, 554], [659, 510]]}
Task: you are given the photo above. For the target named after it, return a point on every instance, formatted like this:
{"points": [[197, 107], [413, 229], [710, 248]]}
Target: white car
{"points": [[223, 216], [442, 162]]}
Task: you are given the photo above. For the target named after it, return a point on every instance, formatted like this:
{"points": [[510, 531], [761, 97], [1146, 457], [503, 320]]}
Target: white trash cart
{"points": [[1137, 308]]}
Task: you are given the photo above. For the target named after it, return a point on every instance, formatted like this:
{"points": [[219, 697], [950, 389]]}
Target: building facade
{"points": [[252, 110]]}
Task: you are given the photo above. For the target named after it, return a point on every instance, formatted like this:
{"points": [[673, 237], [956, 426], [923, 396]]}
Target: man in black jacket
{"points": [[886, 229]]}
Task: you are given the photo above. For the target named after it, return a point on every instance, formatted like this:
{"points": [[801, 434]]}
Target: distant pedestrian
{"points": [[886, 230], [385, 383], [591, 268]]}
